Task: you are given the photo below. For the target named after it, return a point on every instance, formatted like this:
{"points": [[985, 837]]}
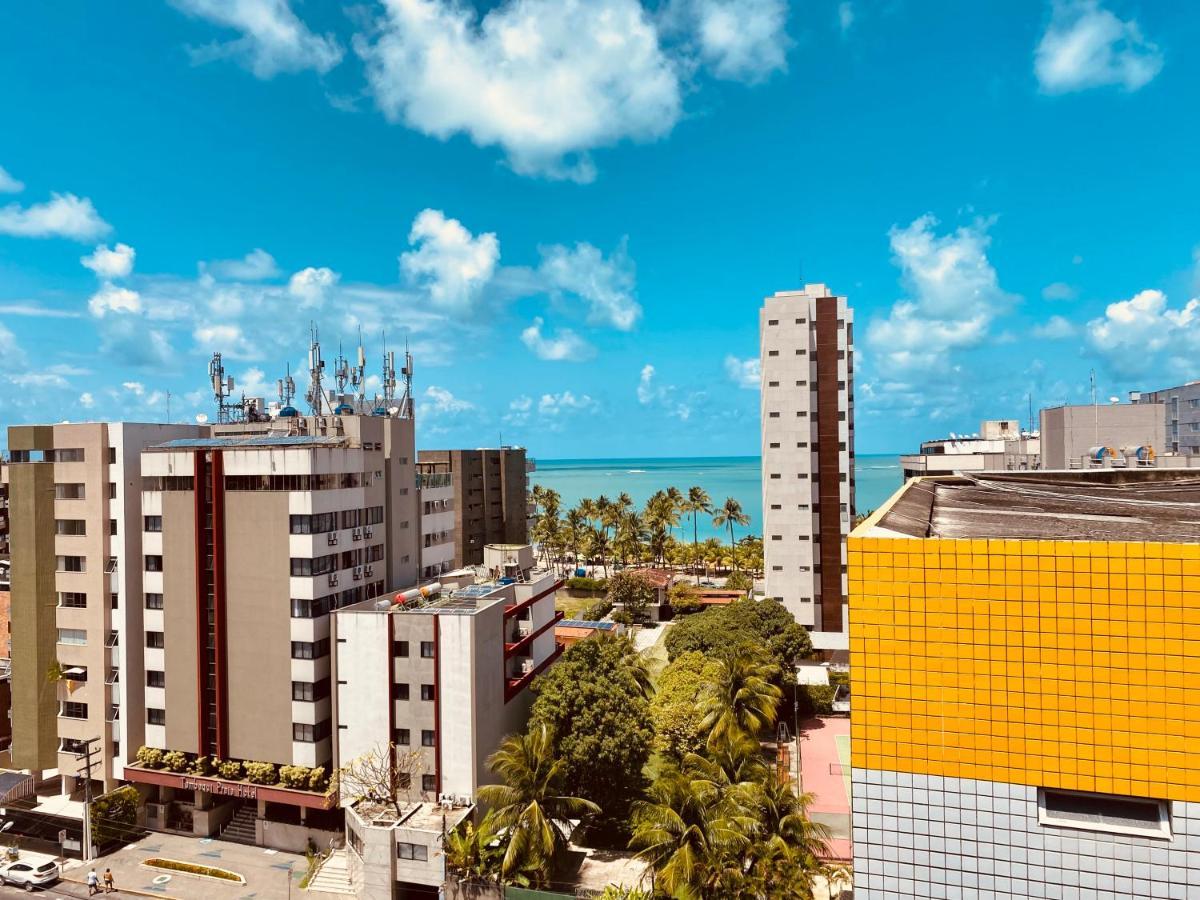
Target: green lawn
{"points": [[573, 605]]}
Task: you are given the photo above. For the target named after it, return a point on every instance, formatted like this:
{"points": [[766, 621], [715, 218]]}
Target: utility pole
{"points": [[86, 755]]}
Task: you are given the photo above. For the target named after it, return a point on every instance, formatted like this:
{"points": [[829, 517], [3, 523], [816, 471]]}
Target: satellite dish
{"points": [[201, 418], [393, 410]]}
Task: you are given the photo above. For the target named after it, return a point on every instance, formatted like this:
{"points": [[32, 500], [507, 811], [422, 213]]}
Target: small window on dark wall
{"points": [[1104, 812]]}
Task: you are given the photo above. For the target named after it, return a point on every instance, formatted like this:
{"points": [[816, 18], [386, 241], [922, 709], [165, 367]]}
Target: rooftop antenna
{"points": [[389, 374], [358, 374], [316, 370], [222, 389], [1095, 407], [1030, 396], [287, 388], [341, 371], [406, 402]]}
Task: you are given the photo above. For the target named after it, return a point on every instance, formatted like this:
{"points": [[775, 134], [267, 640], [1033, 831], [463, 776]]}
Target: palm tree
{"points": [[730, 514], [742, 701], [628, 541], [696, 502], [598, 546], [473, 852], [574, 531], [677, 499], [588, 508], [528, 806]]}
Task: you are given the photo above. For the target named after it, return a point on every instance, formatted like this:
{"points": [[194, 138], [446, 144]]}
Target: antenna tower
{"points": [[222, 391], [287, 388], [316, 370]]}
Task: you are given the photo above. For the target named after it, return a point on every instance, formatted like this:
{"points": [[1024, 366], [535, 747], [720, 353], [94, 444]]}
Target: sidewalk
{"points": [[269, 874]]}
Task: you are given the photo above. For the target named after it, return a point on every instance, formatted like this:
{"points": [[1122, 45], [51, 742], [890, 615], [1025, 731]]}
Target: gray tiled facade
{"points": [[934, 837], [1182, 406]]}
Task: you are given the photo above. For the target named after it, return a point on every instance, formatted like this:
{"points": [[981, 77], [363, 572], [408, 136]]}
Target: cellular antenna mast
{"points": [[222, 390], [406, 401], [287, 388], [358, 374], [389, 375], [341, 371], [316, 370]]}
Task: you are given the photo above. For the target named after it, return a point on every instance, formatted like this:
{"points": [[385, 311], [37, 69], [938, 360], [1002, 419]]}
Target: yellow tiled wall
{"points": [[1067, 664]]}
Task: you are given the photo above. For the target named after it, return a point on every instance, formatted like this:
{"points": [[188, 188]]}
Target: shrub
{"points": [[114, 815], [261, 772], [739, 581], [175, 760], [229, 769], [201, 765], [594, 612], [684, 598], [633, 590], [623, 617], [815, 699], [294, 776], [175, 865], [316, 779], [149, 757], [592, 585]]}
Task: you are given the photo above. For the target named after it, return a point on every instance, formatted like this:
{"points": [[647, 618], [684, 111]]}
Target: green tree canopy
{"points": [[595, 700], [633, 590], [756, 625], [675, 709]]}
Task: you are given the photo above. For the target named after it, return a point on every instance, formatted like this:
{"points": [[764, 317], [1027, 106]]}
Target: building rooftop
{"points": [[258, 440], [1095, 505]]}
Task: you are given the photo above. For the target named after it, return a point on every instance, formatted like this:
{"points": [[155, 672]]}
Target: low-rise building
{"points": [[1026, 650], [1100, 435], [1000, 445], [571, 631], [1181, 418], [399, 854]]}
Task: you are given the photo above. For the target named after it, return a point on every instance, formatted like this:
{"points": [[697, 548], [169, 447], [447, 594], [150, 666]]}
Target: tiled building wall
{"points": [[1065, 664], [921, 836]]}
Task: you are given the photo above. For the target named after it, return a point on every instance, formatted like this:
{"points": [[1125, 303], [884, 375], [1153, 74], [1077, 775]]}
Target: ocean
{"points": [[876, 479]]}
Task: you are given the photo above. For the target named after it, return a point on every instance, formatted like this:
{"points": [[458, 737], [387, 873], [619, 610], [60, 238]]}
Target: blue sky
{"points": [[573, 210]]}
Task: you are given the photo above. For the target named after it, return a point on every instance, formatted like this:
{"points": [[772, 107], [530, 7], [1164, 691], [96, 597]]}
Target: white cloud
{"points": [[114, 263], [741, 40], [453, 265], [651, 393], [86, 400], [8, 184], [229, 339], [745, 373], [605, 285], [1086, 46], [519, 409], [554, 405], [257, 265], [545, 80], [36, 311], [1055, 328], [954, 296], [273, 38], [845, 12], [63, 215], [565, 345], [647, 390], [113, 299], [134, 387], [311, 285], [1059, 290], [438, 401], [1143, 335]]}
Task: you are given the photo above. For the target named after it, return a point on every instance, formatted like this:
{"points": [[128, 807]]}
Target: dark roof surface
{"points": [[1104, 505]]}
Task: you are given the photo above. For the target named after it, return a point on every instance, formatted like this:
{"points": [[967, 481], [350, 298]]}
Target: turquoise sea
{"points": [[876, 479]]}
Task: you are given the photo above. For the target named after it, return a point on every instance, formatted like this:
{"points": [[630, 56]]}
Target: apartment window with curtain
{"points": [[75, 636], [72, 564]]}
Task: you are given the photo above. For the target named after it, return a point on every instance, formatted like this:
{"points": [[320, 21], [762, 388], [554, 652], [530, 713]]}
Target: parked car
{"points": [[28, 874]]}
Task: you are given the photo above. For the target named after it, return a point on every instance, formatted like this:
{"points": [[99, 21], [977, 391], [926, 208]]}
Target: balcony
{"points": [[515, 684], [523, 635]]}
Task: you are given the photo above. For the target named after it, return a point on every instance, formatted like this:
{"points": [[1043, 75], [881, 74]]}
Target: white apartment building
{"points": [[437, 522], [807, 352]]}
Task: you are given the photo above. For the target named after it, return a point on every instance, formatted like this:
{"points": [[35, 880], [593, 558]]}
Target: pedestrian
{"points": [[108, 881], [93, 883]]}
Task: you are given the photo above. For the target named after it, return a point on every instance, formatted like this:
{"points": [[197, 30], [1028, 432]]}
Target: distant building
{"points": [[459, 654], [437, 523], [1024, 667], [1181, 416], [999, 445], [1074, 437], [491, 497], [569, 632], [398, 855], [807, 353]]}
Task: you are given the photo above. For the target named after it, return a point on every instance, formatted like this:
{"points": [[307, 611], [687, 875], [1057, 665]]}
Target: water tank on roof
{"points": [[379, 411], [343, 409], [289, 412]]}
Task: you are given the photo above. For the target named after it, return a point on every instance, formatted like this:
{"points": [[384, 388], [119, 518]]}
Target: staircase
{"points": [[333, 876], [240, 829]]}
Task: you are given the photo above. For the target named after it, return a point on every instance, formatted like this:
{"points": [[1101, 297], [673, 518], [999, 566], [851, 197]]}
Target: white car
{"points": [[29, 875]]}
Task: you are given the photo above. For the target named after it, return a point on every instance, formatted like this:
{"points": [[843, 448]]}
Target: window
{"points": [[428, 784], [400, 648], [154, 563], [154, 601], [320, 523], [156, 716], [775, 445], [74, 710], [310, 692], [112, 526], [427, 692], [75, 636], [114, 600], [309, 609], [427, 738], [112, 490], [772, 321], [72, 564], [402, 737], [155, 640], [777, 537], [417, 852], [168, 483], [303, 567], [112, 456], [68, 492], [427, 649], [71, 454], [1104, 812], [72, 599], [156, 679], [307, 650], [152, 523], [70, 526], [309, 734], [773, 415], [399, 691], [772, 353]]}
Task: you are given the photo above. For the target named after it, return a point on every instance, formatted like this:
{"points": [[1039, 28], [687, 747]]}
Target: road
{"points": [[60, 891]]}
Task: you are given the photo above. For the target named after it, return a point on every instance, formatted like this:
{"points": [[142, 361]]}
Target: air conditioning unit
{"points": [[368, 532], [369, 571], [358, 570], [333, 580], [527, 665], [357, 534], [333, 539]]}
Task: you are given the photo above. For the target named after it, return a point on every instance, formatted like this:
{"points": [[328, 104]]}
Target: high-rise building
{"points": [[1025, 652], [807, 353], [75, 494], [491, 497], [1181, 432]]}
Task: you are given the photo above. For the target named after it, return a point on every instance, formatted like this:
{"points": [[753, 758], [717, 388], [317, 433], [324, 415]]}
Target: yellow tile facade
{"points": [[1067, 664]]}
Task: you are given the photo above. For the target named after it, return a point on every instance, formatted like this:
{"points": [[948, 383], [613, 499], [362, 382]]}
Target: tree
{"points": [[594, 701], [741, 701], [696, 502], [684, 598], [756, 624], [114, 816], [382, 775], [739, 581], [675, 709], [530, 805], [633, 590], [574, 532], [475, 853], [729, 514]]}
